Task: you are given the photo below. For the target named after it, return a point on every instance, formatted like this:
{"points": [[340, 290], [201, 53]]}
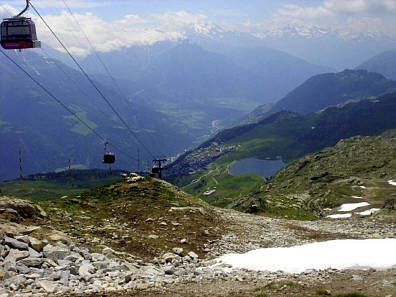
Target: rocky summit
{"points": [[145, 237]]}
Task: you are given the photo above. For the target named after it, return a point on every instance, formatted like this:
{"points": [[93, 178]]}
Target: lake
{"points": [[264, 168]]}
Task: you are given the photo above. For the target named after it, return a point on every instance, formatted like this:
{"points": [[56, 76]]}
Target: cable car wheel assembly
{"points": [[19, 32]]}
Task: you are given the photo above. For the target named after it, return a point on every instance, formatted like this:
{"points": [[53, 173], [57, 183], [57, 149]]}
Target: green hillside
{"points": [[290, 135], [285, 134], [358, 166], [54, 185]]}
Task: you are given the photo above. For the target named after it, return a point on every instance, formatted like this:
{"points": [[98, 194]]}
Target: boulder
{"points": [[14, 229], [16, 282], [34, 254], [389, 204], [36, 243], [73, 257], [168, 257], [16, 255], [188, 209], [32, 262], [10, 266], [178, 251], [135, 179], [170, 270], [192, 255], [15, 243], [24, 208], [86, 269], [22, 269], [23, 238], [55, 253], [58, 236], [48, 286]]}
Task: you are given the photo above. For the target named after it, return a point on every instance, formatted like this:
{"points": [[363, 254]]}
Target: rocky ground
{"points": [[39, 260]]}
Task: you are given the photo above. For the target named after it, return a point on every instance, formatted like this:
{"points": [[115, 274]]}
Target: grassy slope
{"points": [[134, 218], [331, 176], [56, 185], [227, 186]]}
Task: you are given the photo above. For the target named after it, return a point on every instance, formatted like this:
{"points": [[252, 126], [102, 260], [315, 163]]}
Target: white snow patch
{"points": [[392, 182], [340, 216], [352, 206], [336, 254], [209, 192], [357, 197], [368, 212]]}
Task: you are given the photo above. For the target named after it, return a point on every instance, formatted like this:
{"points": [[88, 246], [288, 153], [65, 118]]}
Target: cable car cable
{"points": [[107, 70], [115, 83], [117, 87], [65, 106], [95, 52], [69, 77], [91, 81]]}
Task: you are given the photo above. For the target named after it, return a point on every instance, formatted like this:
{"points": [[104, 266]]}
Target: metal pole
{"points": [[70, 174], [138, 160], [25, 9], [20, 169]]}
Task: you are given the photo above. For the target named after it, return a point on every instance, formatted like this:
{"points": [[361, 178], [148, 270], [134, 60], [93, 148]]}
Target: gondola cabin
{"points": [[19, 33], [155, 170], [109, 158]]}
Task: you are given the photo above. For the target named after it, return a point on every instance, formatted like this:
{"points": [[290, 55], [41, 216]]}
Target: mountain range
{"points": [[290, 135], [214, 83], [328, 89], [384, 63], [173, 94]]}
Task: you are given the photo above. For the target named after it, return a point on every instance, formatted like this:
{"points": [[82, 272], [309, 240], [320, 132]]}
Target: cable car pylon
{"points": [[108, 157], [157, 168]]}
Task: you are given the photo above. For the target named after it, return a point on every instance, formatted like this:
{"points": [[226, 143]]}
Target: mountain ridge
{"points": [[290, 135], [329, 89], [384, 63]]}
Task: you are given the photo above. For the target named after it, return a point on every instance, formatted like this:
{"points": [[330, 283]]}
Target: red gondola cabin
{"points": [[19, 33]]}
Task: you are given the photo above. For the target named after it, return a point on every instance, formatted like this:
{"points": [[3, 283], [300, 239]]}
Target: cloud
{"points": [[346, 19], [334, 8], [361, 6], [7, 11], [183, 22], [104, 35], [295, 11]]}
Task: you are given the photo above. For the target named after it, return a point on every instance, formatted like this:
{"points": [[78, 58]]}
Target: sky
{"points": [[114, 24]]}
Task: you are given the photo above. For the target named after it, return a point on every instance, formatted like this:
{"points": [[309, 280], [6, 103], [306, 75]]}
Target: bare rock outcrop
{"points": [[21, 208]]}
